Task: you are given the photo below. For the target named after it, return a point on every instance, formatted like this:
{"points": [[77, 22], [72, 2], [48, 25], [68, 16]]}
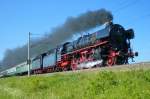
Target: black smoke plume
{"points": [[75, 25], [58, 35]]}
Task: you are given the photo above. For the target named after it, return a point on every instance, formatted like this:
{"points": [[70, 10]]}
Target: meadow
{"points": [[132, 84]]}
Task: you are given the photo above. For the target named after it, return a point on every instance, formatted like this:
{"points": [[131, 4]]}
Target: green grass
{"points": [[134, 84]]}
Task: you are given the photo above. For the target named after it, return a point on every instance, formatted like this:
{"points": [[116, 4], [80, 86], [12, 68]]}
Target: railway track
{"points": [[116, 68]]}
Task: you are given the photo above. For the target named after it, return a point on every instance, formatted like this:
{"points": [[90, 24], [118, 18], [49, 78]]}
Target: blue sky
{"points": [[18, 17]]}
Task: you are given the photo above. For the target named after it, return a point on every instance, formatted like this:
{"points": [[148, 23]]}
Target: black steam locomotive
{"points": [[111, 45]]}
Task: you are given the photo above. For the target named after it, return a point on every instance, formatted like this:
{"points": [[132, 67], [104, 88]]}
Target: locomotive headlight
{"points": [[129, 34]]}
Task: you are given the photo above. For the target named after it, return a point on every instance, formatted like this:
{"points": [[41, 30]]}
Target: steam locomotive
{"points": [[106, 47]]}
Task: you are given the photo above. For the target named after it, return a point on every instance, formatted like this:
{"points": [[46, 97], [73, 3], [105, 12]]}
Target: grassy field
{"points": [[133, 84]]}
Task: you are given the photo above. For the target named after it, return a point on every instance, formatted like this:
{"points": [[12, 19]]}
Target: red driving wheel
{"points": [[111, 61], [74, 67]]}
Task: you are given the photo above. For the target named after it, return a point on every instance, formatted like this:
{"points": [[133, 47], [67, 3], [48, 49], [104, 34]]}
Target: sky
{"points": [[18, 17]]}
